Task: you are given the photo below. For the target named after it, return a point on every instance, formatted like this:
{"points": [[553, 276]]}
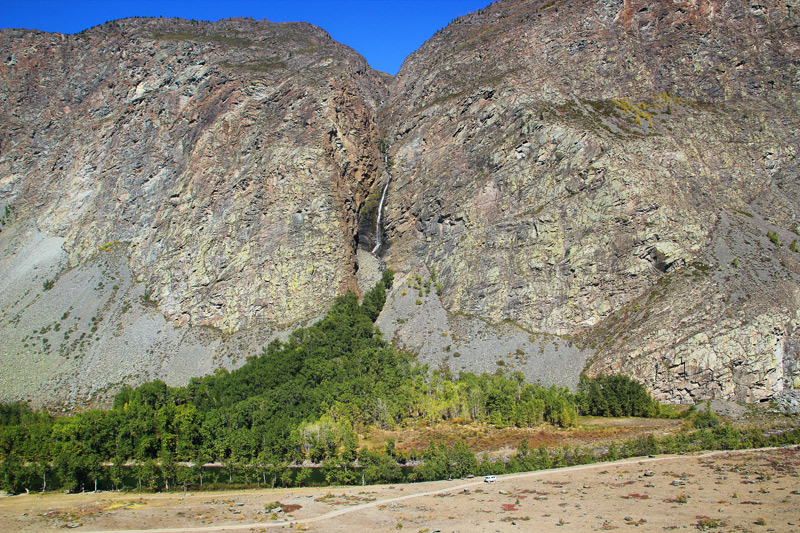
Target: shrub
{"points": [[706, 418], [615, 396], [705, 522]]}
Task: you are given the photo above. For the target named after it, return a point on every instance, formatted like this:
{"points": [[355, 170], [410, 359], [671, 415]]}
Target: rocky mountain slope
{"points": [[602, 185], [219, 167], [610, 171]]}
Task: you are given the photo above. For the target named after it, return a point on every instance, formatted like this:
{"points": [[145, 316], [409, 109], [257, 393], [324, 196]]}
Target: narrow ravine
{"points": [[378, 230]]}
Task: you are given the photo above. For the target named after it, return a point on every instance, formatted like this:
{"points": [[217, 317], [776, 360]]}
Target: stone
{"points": [[595, 188]]}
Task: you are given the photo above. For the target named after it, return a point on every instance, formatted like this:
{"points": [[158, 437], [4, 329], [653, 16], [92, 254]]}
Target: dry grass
{"points": [[487, 438]]}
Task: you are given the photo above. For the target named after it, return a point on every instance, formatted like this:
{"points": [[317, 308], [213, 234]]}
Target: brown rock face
{"points": [[621, 174], [229, 156], [231, 160], [581, 168]]}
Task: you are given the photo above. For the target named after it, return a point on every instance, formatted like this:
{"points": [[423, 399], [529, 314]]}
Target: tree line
{"points": [[299, 401]]}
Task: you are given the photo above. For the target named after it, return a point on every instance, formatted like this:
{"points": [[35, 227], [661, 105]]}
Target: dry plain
{"points": [[754, 490]]}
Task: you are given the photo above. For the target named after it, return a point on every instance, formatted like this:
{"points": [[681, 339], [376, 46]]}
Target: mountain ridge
{"points": [[549, 183], [580, 172]]}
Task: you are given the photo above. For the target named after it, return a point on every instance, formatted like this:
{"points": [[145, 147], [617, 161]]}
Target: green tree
{"points": [[168, 467], [117, 471], [150, 474], [303, 477], [706, 418], [185, 477], [70, 464], [462, 460], [12, 478], [615, 396], [613, 452], [376, 467], [200, 458], [94, 467]]}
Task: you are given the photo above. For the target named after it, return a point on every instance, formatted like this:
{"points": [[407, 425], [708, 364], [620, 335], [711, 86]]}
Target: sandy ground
{"points": [[733, 491]]}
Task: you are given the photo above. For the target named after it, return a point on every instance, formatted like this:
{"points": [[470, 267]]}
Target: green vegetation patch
{"points": [[306, 399], [227, 40], [9, 215], [618, 116], [256, 66], [615, 396]]}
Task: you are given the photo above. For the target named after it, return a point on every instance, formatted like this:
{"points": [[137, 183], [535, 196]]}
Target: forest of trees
{"points": [[615, 396], [303, 400]]}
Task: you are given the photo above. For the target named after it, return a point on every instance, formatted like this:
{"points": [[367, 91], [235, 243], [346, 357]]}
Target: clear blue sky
{"points": [[384, 31]]}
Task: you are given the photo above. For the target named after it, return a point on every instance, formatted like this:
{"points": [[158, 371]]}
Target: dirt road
{"points": [[755, 490]]}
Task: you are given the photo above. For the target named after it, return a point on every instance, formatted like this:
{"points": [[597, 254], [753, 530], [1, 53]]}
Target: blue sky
{"points": [[383, 31]]}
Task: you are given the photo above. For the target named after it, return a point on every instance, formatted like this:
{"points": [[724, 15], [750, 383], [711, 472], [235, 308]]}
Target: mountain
{"points": [[188, 189], [611, 171], [575, 186]]}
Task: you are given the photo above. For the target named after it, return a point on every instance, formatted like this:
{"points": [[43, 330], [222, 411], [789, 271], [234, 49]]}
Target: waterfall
{"points": [[378, 231]]}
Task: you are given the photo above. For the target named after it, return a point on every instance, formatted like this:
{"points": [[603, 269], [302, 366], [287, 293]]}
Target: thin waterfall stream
{"points": [[378, 232]]}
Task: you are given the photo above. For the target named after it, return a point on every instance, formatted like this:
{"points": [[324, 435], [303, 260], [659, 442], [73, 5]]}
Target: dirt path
{"points": [[456, 488], [741, 489]]}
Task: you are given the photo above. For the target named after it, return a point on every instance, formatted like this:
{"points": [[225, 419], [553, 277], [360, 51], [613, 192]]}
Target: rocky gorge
{"points": [[585, 186]]}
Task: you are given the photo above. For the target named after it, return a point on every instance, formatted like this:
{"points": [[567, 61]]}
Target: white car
{"points": [[490, 479]]}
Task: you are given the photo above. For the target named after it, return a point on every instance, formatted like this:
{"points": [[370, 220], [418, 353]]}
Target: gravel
{"points": [[415, 320], [75, 344], [788, 400]]}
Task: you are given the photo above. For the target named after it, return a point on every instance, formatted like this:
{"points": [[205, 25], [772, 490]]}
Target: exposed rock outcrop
{"points": [[228, 160], [582, 168], [609, 185]]}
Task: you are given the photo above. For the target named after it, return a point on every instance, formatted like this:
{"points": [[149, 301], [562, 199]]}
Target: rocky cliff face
{"points": [[590, 169], [609, 185], [227, 162]]}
